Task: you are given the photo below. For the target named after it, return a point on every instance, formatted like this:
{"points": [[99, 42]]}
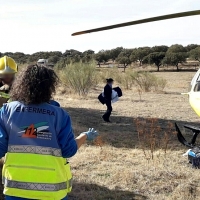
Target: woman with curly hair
{"points": [[36, 139]]}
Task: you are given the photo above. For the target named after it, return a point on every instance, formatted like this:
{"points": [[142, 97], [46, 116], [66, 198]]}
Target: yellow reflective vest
{"points": [[34, 167], [35, 180], [4, 98]]}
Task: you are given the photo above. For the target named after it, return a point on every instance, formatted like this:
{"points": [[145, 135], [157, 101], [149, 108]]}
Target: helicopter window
{"points": [[197, 87], [198, 79]]}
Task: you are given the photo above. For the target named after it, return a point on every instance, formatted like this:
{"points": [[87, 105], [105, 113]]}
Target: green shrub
{"points": [[124, 79], [147, 81], [159, 84], [79, 77], [108, 73], [61, 64]]}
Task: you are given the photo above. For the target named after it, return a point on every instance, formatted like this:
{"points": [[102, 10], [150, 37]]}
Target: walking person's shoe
{"points": [[106, 120]]}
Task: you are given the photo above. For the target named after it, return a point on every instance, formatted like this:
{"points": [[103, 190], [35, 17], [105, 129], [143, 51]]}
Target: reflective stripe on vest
{"points": [[35, 172], [37, 186], [4, 95], [34, 150]]}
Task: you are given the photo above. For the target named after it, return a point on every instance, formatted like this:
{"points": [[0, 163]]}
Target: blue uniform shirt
{"points": [[55, 103], [51, 124]]}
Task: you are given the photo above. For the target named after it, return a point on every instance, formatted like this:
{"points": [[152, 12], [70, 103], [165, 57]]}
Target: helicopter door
{"points": [[196, 82], [197, 87]]}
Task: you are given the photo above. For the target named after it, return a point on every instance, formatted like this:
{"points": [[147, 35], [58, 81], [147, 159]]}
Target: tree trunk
{"points": [[124, 67], [140, 63], [177, 68], [158, 68], [99, 64]]}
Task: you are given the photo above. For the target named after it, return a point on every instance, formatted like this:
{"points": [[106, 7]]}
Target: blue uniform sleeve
{"points": [[66, 139], [3, 134], [55, 103]]}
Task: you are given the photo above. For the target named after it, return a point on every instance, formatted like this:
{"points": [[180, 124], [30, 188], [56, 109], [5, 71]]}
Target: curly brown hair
{"points": [[34, 85]]}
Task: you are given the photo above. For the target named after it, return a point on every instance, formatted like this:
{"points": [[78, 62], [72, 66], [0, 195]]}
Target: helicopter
{"points": [[194, 100], [194, 94]]}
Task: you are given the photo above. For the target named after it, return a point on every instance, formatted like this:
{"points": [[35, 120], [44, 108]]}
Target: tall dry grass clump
{"points": [[79, 77], [143, 81], [124, 79], [148, 82], [151, 137]]}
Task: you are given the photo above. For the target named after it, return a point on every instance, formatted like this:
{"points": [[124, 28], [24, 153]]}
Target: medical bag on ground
{"points": [[194, 152], [194, 157]]}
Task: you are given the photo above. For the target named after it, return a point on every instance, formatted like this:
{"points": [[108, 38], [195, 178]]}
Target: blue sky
{"points": [[46, 25]]}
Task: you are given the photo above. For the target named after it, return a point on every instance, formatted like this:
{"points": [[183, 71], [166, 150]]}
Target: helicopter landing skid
{"points": [[194, 129]]}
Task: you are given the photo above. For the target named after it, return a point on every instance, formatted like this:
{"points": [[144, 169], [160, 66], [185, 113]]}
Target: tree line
{"points": [[158, 55]]}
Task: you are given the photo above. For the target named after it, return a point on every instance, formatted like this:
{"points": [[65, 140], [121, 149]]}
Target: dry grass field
{"points": [[117, 166]]}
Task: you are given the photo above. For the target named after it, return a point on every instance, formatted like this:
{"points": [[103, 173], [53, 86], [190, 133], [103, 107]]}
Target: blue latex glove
{"points": [[91, 134]]}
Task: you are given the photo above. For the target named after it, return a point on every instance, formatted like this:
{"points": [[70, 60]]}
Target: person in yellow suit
{"points": [[8, 69]]}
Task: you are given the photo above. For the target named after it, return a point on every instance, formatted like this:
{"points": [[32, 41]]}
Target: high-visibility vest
{"points": [[36, 172], [4, 98]]}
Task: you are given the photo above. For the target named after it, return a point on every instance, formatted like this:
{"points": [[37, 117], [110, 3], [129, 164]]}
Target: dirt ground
{"points": [[115, 167]]}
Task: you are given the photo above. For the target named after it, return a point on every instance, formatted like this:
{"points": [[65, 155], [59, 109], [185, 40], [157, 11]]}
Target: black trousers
{"points": [[108, 112]]}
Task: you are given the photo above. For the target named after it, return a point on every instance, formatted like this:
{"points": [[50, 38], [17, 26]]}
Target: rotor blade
{"points": [[152, 19]]}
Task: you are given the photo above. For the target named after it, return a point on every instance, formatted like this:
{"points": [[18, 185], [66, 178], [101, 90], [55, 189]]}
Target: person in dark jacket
{"points": [[108, 99]]}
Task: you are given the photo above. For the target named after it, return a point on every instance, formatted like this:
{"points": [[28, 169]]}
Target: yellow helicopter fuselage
{"points": [[194, 94]]}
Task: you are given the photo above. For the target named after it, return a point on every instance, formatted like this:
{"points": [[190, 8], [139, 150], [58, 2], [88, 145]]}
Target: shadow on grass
{"points": [[122, 132], [83, 191], [175, 70]]}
